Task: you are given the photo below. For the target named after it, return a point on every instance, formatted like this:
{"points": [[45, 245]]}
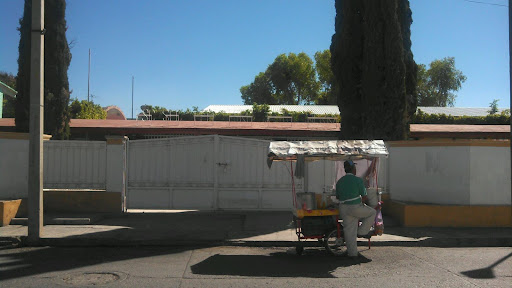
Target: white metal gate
{"points": [[206, 172]]}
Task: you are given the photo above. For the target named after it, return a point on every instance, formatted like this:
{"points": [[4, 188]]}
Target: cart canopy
{"points": [[337, 150]]}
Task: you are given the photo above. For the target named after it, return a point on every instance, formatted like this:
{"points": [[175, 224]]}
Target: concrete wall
{"points": [[490, 175], [450, 172], [13, 168], [68, 165]]}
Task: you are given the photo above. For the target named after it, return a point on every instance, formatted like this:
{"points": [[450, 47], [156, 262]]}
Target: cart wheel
{"points": [[334, 245], [299, 249]]}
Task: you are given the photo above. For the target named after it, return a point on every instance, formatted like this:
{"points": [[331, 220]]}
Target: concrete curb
{"points": [[113, 242]]}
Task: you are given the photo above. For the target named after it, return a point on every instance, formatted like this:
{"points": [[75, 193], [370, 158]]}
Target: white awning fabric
{"points": [[327, 150]]}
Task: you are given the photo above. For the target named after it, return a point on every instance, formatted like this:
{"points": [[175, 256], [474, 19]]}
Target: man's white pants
{"points": [[351, 214]]}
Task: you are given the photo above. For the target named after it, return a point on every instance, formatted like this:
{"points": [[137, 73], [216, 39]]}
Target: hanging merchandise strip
{"points": [[293, 187]]}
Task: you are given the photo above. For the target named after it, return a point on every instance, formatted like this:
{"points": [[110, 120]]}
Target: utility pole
{"points": [[132, 95], [510, 87], [89, 75], [36, 124]]}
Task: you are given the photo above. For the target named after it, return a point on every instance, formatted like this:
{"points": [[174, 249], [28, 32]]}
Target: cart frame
{"points": [[336, 150]]}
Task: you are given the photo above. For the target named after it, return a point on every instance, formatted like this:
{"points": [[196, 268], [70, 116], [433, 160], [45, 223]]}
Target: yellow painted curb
{"points": [[419, 215], [8, 210]]}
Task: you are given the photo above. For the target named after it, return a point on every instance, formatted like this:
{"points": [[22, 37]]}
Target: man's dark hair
{"points": [[349, 166]]}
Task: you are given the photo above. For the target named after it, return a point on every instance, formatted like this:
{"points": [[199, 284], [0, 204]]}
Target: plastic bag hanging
{"points": [[379, 223]]}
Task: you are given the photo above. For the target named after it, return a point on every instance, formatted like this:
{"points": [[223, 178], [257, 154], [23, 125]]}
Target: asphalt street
{"points": [[231, 266]]}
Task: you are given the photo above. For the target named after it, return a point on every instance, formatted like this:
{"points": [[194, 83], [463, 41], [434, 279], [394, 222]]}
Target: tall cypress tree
{"points": [[57, 58], [374, 69], [22, 109]]}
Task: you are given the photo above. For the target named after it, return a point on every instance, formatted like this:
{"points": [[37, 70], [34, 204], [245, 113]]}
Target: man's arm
{"points": [[362, 192]]}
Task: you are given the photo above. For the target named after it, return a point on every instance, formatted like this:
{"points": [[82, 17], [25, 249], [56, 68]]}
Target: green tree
{"points": [[157, 112], [57, 59], [494, 107], [373, 68], [294, 79], [8, 103], [260, 112], [327, 96], [437, 84], [86, 110], [290, 79], [259, 91]]}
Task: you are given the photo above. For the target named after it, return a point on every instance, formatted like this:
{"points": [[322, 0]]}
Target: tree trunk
{"points": [[369, 64]]}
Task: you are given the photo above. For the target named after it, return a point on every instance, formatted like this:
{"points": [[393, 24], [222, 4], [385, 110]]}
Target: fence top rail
{"points": [[241, 118], [320, 119], [204, 116], [280, 118]]}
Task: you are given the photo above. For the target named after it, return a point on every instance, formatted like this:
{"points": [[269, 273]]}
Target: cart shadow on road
{"points": [[316, 264]]}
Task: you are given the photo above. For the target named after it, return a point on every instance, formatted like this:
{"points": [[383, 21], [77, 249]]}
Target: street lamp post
{"points": [[35, 154]]}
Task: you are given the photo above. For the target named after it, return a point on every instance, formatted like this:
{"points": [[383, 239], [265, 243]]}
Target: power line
{"points": [[486, 3]]}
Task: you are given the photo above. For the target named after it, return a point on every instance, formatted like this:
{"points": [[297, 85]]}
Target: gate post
{"points": [[216, 151], [116, 167]]}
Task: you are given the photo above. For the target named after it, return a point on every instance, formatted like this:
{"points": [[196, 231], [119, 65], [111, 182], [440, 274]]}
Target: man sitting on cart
{"points": [[351, 193]]}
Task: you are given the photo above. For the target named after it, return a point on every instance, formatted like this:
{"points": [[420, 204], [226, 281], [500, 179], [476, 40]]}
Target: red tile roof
{"points": [[266, 128]]}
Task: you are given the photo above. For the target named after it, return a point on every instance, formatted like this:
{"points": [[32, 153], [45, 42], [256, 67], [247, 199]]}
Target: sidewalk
{"points": [[200, 228]]}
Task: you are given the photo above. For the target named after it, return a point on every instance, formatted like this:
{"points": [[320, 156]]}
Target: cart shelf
{"points": [[301, 213]]}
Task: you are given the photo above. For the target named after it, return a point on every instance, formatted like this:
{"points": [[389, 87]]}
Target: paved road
{"points": [[254, 267]]}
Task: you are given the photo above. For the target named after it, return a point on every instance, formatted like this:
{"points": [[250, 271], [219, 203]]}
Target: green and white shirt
{"points": [[350, 189]]}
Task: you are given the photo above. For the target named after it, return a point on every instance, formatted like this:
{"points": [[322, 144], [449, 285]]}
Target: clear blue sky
{"points": [[199, 52]]}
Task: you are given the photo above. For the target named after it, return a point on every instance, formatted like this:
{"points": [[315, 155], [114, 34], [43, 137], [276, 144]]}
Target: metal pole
{"points": [[89, 75], [132, 95], [510, 87], [36, 122]]}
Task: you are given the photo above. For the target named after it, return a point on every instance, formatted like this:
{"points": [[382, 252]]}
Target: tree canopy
{"points": [[86, 110], [325, 78], [437, 84], [291, 79], [8, 102]]}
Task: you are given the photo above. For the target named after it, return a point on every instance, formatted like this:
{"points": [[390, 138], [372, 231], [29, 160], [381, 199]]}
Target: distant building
{"points": [[114, 113], [8, 91], [333, 109]]}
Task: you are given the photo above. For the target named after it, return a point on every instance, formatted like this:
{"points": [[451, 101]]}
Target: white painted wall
{"points": [[67, 165], [452, 175], [490, 176], [13, 169]]}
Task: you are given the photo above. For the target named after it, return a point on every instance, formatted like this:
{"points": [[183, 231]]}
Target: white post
{"points": [[116, 167], [35, 169], [216, 151]]}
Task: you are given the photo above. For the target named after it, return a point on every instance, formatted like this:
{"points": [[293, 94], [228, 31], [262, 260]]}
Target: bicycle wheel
{"points": [[335, 245]]}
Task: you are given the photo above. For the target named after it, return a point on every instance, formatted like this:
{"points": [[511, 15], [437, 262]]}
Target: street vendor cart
{"points": [[316, 216]]}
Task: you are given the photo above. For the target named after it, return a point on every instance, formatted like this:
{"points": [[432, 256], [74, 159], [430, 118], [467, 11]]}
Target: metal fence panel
{"points": [[75, 164]]}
